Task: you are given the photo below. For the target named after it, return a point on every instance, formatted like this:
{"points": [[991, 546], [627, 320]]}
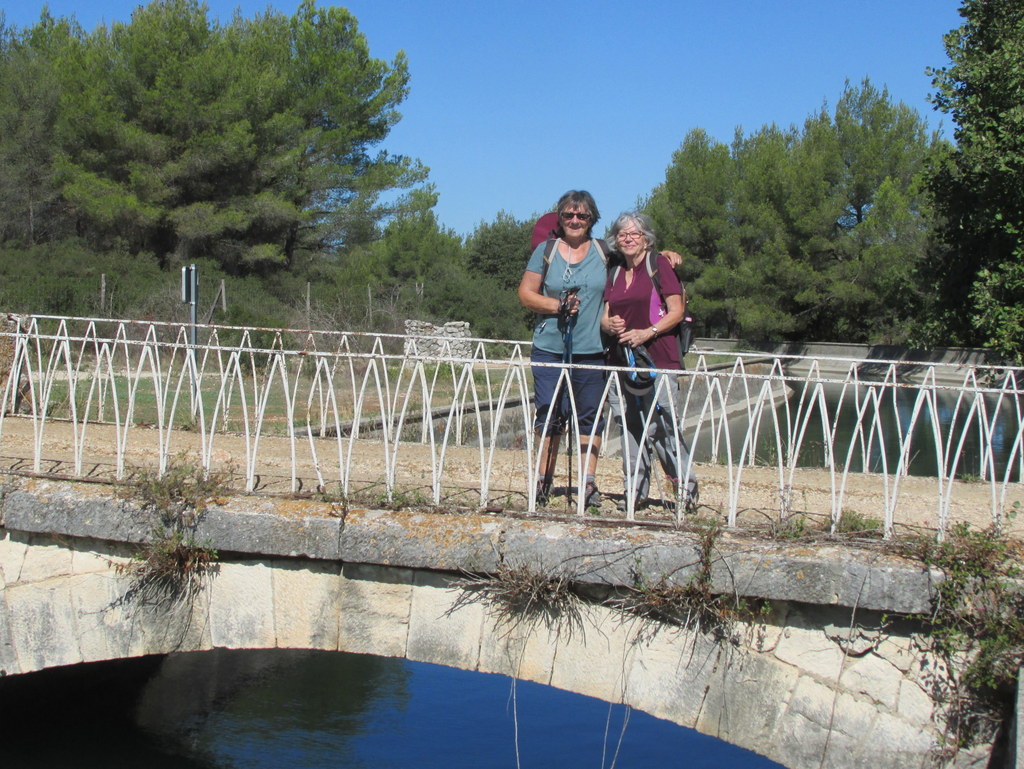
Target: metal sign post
{"points": [[190, 295]]}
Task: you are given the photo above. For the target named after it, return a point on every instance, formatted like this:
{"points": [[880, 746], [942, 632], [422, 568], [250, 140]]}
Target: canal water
{"points": [[879, 432], [304, 709]]}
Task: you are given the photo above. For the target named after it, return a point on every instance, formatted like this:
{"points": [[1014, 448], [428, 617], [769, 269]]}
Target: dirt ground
{"points": [[754, 491]]}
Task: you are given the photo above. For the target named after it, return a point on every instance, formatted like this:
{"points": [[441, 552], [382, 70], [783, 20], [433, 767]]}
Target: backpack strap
{"points": [[651, 262], [652, 270], [683, 331], [549, 251]]}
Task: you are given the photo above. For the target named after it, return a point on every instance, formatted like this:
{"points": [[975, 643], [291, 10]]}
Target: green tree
{"points": [[691, 213], [30, 95], [500, 249], [415, 242], [978, 186], [419, 269], [804, 233], [870, 284], [251, 142]]}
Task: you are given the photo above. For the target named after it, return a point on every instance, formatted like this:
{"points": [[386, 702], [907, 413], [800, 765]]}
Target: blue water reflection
{"points": [[300, 710], [421, 715]]}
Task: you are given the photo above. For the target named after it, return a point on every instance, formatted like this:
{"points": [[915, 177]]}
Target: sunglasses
{"points": [[569, 215]]}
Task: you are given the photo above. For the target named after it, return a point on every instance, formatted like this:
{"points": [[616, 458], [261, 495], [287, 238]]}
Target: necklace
{"points": [[576, 254]]}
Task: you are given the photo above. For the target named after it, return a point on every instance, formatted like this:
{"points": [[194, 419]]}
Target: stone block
{"points": [[92, 596], [42, 625], [269, 533], [123, 618], [873, 677], [375, 615], [242, 606], [439, 635], [421, 540], [798, 741], [670, 673], [825, 575], [594, 659], [814, 701], [747, 698], [915, 706], [810, 651], [45, 559], [8, 657], [153, 621], [900, 652], [895, 736], [521, 647], [12, 558], [502, 646], [77, 510], [90, 562], [307, 599]]}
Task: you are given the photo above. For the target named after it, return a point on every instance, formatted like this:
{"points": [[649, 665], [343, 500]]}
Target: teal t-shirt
{"points": [[590, 275]]}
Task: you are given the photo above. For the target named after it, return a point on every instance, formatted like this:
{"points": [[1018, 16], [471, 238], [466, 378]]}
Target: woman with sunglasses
{"points": [[565, 290], [639, 318]]}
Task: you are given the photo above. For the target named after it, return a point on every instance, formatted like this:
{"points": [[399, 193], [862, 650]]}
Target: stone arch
{"points": [[784, 697]]}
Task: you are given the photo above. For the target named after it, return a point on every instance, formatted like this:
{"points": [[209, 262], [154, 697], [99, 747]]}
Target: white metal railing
{"points": [[311, 406]]}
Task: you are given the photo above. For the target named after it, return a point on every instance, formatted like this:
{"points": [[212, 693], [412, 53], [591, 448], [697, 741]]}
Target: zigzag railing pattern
{"points": [[459, 423]]}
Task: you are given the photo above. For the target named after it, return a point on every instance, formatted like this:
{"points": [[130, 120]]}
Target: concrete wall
{"points": [[963, 356], [817, 682]]}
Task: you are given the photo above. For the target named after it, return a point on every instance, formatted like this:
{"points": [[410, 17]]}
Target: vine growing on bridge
{"points": [[976, 627]]}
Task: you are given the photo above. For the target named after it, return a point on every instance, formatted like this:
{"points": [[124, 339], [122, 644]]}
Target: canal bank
{"points": [[948, 365]]}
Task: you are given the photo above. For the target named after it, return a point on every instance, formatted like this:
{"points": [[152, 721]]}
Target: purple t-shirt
{"points": [[641, 307]]}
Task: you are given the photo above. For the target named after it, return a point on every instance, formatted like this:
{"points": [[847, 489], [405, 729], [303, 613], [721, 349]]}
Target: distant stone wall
{"points": [[425, 340]]}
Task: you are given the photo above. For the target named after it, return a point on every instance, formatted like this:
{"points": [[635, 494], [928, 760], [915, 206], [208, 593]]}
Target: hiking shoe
{"points": [[692, 498], [621, 504], [543, 492], [591, 496]]}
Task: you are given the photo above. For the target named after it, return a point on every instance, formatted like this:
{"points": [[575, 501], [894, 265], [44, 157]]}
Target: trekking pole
{"points": [[568, 323]]}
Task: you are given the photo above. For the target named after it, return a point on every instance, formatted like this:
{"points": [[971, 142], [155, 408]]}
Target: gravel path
{"points": [[758, 501]]}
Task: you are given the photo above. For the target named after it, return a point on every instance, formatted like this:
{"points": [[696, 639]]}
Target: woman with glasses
{"points": [[639, 314], [564, 284]]}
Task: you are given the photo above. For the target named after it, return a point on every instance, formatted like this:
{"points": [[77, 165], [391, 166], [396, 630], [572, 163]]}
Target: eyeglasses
{"points": [[625, 237], [568, 216]]}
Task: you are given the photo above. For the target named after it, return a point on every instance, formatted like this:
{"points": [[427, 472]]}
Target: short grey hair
{"points": [[577, 199], [642, 223]]}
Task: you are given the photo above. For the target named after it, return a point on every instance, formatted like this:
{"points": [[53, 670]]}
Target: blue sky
{"points": [[512, 103]]}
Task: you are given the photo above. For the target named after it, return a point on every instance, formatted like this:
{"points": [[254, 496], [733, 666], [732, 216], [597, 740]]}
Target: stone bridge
{"points": [[820, 676]]}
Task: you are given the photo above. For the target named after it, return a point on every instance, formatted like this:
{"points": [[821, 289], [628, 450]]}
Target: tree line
{"points": [[251, 148]]}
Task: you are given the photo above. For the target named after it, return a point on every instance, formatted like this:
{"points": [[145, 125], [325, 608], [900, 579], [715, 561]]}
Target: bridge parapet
{"points": [[365, 414], [604, 556]]}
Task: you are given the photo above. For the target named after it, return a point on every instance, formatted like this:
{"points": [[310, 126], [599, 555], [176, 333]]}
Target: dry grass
{"points": [[515, 595]]}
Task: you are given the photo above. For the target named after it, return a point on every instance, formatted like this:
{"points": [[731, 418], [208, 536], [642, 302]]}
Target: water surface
{"points": [[302, 709]]}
